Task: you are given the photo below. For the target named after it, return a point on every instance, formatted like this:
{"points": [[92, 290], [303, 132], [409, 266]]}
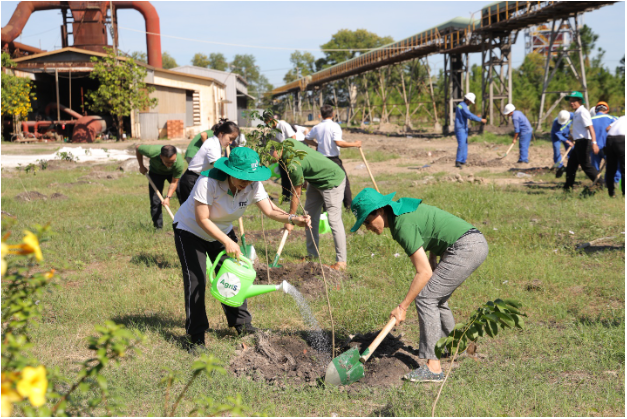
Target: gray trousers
{"points": [[332, 199], [457, 263]]}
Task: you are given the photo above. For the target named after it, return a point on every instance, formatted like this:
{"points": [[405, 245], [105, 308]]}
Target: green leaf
{"points": [[505, 319], [518, 321], [513, 303]]}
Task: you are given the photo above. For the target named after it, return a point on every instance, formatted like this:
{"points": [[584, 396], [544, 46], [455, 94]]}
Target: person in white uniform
{"points": [[203, 227], [224, 132]]}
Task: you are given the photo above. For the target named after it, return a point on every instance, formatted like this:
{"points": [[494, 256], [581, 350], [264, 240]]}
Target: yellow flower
{"points": [[34, 385], [5, 251], [31, 244], [9, 395], [50, 274]]}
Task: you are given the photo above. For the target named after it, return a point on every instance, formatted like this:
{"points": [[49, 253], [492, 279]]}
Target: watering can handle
{"points": [[215, 263]]}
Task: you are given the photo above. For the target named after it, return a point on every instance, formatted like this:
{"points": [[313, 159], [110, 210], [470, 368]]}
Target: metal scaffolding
{"points": [[496, 73], [456, 85]]}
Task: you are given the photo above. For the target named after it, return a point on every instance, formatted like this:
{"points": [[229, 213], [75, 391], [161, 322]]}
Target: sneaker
{"points": [[245, 329], [196, 345], [338, 266], [424, 375], [458, 164], [560, 172]]}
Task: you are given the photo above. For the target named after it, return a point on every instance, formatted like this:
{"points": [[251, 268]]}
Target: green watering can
{"points": [[275, 170], [324, 224], [234, 282]]}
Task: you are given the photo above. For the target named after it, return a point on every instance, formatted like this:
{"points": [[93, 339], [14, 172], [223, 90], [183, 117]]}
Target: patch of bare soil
{"points": [[306, 277], [531, 170], [58, 195], [289, 359], [30, 196], [273, 237], [101, 175]]}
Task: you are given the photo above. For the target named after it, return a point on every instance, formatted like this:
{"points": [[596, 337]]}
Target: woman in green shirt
{"points": [[421, 228]]}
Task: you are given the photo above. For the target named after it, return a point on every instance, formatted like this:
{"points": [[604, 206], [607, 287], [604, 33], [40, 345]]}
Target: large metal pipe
{"points": [[153, 29], [68, 111]]}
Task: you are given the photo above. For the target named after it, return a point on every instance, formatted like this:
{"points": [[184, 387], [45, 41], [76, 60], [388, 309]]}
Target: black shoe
{"points": [[458, 164], [560, 172], [245, 329], [196, 344]]}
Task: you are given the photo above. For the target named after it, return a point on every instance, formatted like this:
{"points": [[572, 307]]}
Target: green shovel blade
{"points": [[345, 369]]}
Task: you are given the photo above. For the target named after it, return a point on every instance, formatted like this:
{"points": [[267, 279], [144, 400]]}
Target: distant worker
{"points": [[329, 136], [165, 164], [582, 133], [285, 131], [615, 153], [462, 115], [301, 132], [522, 130], [222, 134], [600, 121], [326, 182], [192, 150], [559, 135]]}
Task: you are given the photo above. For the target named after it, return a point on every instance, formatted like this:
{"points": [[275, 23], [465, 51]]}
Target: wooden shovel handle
{"points": [[241, 227], [565, 154], [154, 187], [283, 240], [375, 343], [368, 167], [600, 172]]}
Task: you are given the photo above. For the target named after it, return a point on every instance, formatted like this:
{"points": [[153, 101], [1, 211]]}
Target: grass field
{"points": [[568, 361]]}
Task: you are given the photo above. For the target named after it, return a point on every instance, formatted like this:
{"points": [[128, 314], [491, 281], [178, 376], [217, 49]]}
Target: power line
{"points": [[39, 33]]}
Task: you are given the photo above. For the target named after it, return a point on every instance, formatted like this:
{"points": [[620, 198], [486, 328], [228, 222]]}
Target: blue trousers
{"points": [[556, 151], [523, 145], [596, 162], [462, 145]]}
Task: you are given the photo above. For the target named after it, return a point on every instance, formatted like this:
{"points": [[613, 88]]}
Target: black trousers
{"points": [[615, 158], [193, 252], [286, 185], [580, 157], [348, 195], [186, 184], [156, 209]]}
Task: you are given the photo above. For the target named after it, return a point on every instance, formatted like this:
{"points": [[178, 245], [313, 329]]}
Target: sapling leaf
{"points": [[505, 319]]}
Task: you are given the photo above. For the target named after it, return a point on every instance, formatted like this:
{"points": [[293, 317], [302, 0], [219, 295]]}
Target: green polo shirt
{"points": [[153, 152], [428, 227], [314, 168], [195, 145]]}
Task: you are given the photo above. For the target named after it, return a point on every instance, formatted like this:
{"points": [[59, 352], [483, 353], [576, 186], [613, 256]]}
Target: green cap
{"points": [[243, 163], [576, 95], [369, 200]]}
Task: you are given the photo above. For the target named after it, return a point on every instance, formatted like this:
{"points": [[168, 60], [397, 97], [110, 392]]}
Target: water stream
{"points": [[317, 339]]}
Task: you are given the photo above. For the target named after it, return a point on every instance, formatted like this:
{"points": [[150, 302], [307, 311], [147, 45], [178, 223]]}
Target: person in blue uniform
{"points": [[522, 130], [600, 121], [559, 135], [462, 115]]}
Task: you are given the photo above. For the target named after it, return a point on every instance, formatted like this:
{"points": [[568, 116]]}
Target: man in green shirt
{"points": [[165, 164], [326, 186], [196, 143], [421, 228]]}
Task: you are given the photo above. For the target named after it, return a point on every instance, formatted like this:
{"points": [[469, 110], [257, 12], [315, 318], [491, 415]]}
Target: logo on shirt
{"points": [[243, 203]]}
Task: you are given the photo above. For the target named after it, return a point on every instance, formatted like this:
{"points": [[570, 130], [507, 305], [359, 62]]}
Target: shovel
{"points": [[363, 157], [275, 263], [507, 152], [248, 250], [348, 367], [556, 165], [154, 187]]}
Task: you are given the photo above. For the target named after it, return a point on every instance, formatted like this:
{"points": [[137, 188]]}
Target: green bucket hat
{"points": [[243, 163], [576, 95], [369, 200]]}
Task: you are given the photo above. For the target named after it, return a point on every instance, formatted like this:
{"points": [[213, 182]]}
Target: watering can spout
{"points": [[255, 290]]}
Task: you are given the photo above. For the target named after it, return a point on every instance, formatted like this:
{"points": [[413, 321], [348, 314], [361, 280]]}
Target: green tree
{"points": [[122, 88], [217, 61], [168, 61], [200, 60], [347, 39], [16, 93], [304, 64], [258, 84], [138, 56], [588, 42]]}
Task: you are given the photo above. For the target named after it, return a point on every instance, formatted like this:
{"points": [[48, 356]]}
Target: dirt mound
{"points": [[306, 277], [387, 127], [283, 359], [532, 170], [30, 196], [58, 195]]}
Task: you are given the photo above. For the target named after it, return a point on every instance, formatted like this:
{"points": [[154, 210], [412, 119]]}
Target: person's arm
{"points": [[312, 143], [516, 134], [171, 190], [423, 275], [516, 128], [472, 116], [296, 191], [277, 214], [203, 137], [140, 160], [344, 144], [593, 136]]}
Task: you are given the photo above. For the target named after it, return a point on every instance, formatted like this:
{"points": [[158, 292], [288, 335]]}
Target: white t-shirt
{"points": [[618, 127], [209, 152], [327, 133], [286, 131], [225, 208], [300, 133], [579, 128]]}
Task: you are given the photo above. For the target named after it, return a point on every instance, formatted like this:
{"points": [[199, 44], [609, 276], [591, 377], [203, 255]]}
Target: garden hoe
{"points": [[508, 150], [154, 187], [275, 263], [348, 367], [557, 165], [248, 250], [363, 157]]}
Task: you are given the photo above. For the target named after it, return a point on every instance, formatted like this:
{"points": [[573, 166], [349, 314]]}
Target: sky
{"points": [[291, 25]]}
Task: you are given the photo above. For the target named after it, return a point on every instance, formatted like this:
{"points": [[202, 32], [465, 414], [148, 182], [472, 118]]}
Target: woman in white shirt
{"points": [[203, 227], [615, 153], [224, 132]]}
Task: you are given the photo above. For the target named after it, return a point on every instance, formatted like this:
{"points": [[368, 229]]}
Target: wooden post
{"points": [[56, 82]]}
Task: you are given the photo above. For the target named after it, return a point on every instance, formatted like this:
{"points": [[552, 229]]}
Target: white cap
{"points": [[509, 108], [593, 111], [563, 117], [471, 97]]}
